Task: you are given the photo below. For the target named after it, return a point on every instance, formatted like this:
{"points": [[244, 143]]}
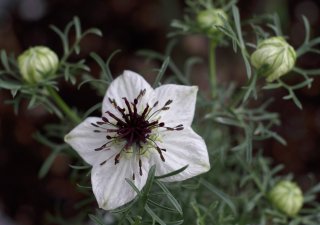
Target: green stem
{"points": [[63, 106], [212, 68]]}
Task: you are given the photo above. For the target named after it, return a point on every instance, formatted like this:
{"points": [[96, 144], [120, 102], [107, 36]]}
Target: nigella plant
{"points": [[139, 127], [144, 158]]}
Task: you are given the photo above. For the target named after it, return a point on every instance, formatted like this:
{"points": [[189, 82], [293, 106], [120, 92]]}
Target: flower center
{"points": [[133, 127]]}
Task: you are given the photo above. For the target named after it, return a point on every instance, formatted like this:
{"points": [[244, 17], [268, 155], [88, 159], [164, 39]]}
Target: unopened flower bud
{"points": [[277, 55], [287, 197], [37, 63], [210, 18]]}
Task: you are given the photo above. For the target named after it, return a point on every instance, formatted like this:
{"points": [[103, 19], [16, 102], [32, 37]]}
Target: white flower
{"points": [[140, 127]]}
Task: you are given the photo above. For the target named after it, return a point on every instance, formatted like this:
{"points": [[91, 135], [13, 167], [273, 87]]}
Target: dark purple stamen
{"points": [[132, 127], [140, 167], [117, 158]]}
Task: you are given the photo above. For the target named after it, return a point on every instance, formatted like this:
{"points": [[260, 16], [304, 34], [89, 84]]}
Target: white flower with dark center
{"points": [[140, 127]]}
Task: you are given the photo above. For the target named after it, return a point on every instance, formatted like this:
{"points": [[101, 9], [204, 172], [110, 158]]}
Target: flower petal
{"points": [[183, 148], [109, 184], [128, 85], [183, 103], [84, 140]]}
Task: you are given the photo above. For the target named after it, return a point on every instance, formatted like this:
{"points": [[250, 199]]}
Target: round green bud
{"points": [[276, 55], [287, 197], [37, 63], [210, 18]]}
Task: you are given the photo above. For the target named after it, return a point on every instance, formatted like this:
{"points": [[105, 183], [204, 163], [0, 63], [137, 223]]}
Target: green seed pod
{"points": [[210, 18], [37, 63], [277, 55], [287, 197]]}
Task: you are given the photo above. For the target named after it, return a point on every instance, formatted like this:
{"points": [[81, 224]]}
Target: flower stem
{"points": [[212, 68], [63, 106]]}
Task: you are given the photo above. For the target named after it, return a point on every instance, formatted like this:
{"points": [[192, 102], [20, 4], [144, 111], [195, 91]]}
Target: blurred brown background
{"points": [[131, 25]]}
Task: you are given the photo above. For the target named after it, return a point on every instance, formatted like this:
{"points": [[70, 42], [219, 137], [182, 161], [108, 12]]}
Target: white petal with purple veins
{"points": [[129, 85], [85, 140], [182, 148], [109, 184], [183, 103]]}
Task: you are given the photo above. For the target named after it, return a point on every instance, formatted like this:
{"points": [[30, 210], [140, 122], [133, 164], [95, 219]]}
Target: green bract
{"points": [[277, 55], [287, 197], [37, 63], [210, 18]]}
